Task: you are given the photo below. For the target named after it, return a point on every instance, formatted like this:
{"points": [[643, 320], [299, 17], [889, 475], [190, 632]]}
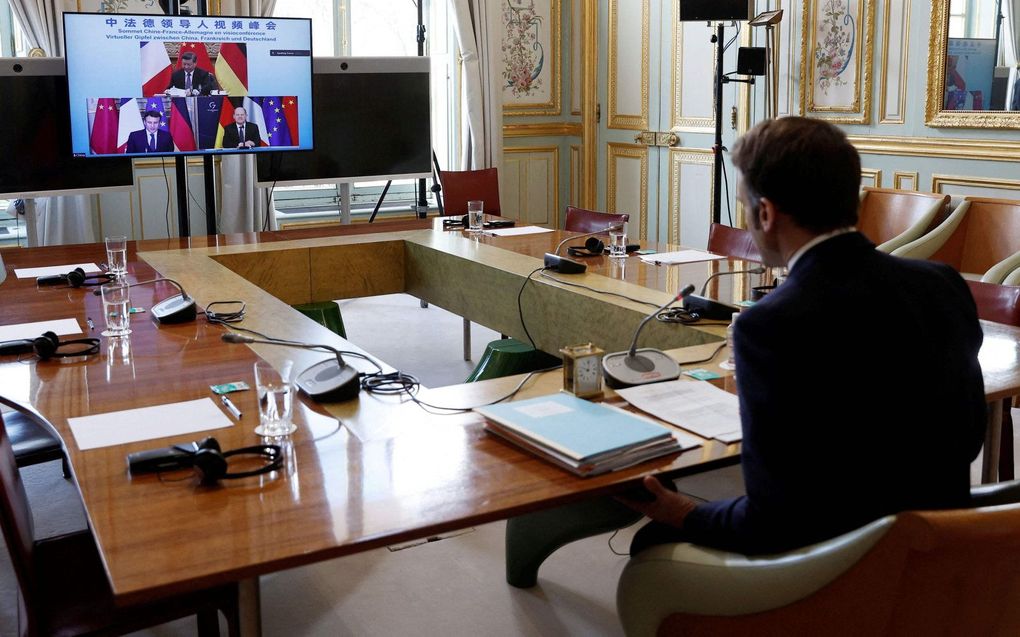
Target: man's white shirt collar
{"points": [[815, 241]]}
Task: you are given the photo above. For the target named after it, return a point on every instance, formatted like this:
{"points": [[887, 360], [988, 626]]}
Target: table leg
{"points": [[993, 435], [250, 607]]}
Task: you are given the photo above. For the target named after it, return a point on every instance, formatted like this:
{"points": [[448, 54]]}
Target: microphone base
{"points": [[563, 265], [648, 365], [174, 309], [709, 309], [330, 382]]}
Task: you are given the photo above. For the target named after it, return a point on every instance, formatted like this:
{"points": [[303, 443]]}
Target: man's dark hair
{"points": [[152, 114], [189, 55], [806, 167]]}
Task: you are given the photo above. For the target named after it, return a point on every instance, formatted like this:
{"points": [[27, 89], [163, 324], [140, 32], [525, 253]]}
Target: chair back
{"points": [[581, 220], [887, 214], [16, 522], [934, 572], [998, 303], [732, 242], [462, 186], [988, 233]]}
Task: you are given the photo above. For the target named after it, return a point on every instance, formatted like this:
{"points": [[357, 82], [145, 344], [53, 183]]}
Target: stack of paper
{"points": [[583, 437], [700, 407], [680, 256]]}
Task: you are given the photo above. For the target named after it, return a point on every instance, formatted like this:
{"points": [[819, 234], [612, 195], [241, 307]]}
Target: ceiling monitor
{"points": [[373, 121], [37, 137], [705, 10], [187, 85]]}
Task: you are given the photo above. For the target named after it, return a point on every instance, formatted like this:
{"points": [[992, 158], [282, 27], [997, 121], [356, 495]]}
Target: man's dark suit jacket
{"points": [[138, 142], [251, 134], [860, 395], [201, 80]]}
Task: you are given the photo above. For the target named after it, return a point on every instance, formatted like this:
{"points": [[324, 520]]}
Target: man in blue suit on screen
{"points": [[150, 139], [859, 384]]}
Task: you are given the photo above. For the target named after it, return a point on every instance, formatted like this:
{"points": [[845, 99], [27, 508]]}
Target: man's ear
{"points": [[767, 214]]}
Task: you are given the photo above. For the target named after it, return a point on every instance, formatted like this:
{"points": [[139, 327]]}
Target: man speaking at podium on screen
{"points": [[242, 133], [859, 384]]}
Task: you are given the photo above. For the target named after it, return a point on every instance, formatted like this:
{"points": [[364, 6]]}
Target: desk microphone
{"points": [[331, 380], [563, 265], [179, 308], [707, 308], [646, 365]]}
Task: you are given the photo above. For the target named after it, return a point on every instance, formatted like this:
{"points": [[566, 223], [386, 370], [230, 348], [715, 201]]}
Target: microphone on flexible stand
{"points": [[331, 380], [707, 308], [646, 365], [179, 308], [563, 265]]}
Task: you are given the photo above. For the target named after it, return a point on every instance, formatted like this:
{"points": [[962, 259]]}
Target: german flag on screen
{"points": [[232, 68]]}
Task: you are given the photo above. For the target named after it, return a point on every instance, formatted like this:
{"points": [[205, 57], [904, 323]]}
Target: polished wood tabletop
{"points": [[359, 475]]}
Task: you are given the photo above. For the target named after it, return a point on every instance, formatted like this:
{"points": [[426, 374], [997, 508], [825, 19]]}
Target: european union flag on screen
{"points": [[276, 121], [208, 116], [157, 104]]}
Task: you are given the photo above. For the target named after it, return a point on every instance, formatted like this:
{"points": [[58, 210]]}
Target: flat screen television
{"points": [[187, 85], [373, 121], [37, 137]]}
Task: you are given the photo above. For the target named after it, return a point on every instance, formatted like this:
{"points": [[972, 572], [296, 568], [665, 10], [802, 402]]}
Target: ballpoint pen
{"points": [[231, 407], [92, 326]]}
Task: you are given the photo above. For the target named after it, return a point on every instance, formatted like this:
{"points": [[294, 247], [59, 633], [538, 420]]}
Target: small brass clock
{"points": [[582, 370]]}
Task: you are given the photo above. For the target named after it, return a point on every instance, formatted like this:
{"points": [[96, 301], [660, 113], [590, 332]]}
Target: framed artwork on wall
{"points": [[530, 31], [837, 46], [120, 6]]}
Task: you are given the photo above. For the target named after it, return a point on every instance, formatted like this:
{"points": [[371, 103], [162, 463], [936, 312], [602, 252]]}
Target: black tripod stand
{"points": [[718, 148]]}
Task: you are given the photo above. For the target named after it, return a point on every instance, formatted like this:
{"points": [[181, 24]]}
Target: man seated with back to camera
{"points": [[858, 379]]}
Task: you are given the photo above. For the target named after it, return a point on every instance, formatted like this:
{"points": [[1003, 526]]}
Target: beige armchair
{"points": [[980, 239], [892, 218], [915, 573]]}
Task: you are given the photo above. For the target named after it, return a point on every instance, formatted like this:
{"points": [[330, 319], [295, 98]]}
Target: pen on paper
{"points": [[92, 326], [231, 407]]}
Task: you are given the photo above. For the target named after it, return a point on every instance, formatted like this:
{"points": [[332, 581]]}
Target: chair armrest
{"points": [[998, 272], [924, 247], [685, 578], [915, 231], [31, 413], [986, 495], [1013, 278]]}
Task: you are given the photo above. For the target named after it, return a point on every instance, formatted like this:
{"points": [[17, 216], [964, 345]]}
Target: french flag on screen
{"points": [[156, 69]]}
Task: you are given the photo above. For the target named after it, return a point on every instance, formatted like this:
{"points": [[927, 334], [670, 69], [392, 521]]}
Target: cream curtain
{"points": [[51, 220], [476, 23], [242, 204], [1011, 38]]}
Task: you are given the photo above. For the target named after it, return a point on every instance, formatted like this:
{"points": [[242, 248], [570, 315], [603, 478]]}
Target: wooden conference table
{"points": [[362, 474]]}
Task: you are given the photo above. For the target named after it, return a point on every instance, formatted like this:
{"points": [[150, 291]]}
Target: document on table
{"points": [[513, 232], [147, 423], [33, 273], [696, 406], [60, 327], [681, 256]]}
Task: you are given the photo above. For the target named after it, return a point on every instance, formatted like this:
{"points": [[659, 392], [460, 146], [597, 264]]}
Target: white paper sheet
{"points": [[513, 232], [32, 273], [696, 406], [147, 423], [681, 256], [17, 331]]}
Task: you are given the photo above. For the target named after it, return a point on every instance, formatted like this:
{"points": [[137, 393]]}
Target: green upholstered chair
{"points": [[509, 356], [325, 313]]}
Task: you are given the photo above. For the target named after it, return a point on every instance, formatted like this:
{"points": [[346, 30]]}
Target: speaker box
{"points": [[751, 60], [699, 10]]}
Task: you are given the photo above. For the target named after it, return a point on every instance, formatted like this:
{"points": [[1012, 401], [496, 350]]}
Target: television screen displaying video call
{"points": [[149, 84]]}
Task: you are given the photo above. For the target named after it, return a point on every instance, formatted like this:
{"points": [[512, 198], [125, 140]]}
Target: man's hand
{"points": [[667, 506]]}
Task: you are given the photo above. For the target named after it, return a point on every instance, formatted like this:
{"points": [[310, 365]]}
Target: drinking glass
{"points": [[116, 308], [618, 241], [116, 255], [275, 389], [476, 215]]}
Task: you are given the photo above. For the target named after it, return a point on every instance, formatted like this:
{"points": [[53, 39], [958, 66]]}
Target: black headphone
{"points": [[211, 463], [49, 346], [76, 278], [592, 247]]}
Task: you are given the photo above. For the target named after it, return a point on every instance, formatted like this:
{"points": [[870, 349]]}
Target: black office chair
{"points": [[32, 437]]}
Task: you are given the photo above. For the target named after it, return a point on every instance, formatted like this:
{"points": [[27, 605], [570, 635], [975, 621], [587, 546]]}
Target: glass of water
{"points": [[275, 389], [476, 215], [618, 241], [116, 255], [116, 308]]}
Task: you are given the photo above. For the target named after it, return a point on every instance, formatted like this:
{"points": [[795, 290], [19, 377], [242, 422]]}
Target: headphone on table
{"points": [[593, 247], [211, 464], [49, 346], [76, 278]]}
